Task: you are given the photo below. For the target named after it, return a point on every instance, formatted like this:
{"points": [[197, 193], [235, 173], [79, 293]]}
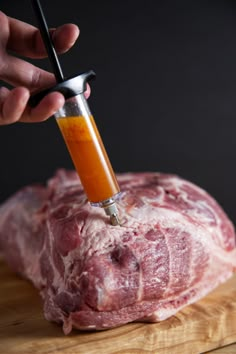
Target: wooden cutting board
{"points": [[208, 324]]}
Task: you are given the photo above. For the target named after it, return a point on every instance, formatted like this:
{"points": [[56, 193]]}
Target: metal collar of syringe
{"points": [[112, 211]]}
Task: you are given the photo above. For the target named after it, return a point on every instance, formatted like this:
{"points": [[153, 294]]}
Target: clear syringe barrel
{"points": [[87, 151]]}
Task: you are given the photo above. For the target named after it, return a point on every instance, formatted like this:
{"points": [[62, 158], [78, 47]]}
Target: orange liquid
{"points": [[89, 156]]}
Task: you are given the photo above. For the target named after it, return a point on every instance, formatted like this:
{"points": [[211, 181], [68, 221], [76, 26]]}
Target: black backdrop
{"points": [[164, 97]]}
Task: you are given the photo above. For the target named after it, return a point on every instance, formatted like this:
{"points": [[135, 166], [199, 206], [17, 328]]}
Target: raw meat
{"points": [[174, 246]]}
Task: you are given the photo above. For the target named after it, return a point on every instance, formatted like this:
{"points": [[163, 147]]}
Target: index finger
{"points": [[26, 40]]}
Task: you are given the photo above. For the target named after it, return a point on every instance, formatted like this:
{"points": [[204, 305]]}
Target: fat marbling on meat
{"points": [[174, 246]]}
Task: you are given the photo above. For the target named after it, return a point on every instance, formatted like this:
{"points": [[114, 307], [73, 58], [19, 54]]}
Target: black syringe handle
{"points": [[47, 41]]}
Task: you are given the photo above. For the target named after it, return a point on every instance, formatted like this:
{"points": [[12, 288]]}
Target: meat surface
{"points": [[174, 246]]}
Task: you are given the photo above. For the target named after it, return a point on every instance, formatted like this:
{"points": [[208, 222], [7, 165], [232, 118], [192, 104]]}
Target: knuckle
{"points": [[35, 79]]}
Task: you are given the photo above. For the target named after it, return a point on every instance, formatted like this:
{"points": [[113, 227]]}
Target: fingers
{"points": [[87, 93], [13, 106], [18, 72], [47, 107], [64, 37], [26, 40]]}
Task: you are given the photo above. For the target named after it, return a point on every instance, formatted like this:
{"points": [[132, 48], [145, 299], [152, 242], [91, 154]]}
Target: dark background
{"points": [[164, 97]]}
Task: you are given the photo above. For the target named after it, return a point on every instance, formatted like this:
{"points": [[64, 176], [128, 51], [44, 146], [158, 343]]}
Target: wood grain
{"points": [[208, 324], [229, 349]]}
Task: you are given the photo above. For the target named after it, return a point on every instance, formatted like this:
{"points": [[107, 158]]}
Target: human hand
{"points": [[25, 40]]}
